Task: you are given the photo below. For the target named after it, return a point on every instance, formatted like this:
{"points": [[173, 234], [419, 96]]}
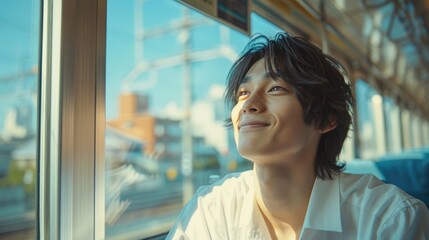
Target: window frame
{"points": [[72, 115], [71, 183]]}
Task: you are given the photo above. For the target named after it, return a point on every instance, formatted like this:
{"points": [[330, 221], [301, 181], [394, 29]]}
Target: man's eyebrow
{"points": [[245, 80], [275, 75]]}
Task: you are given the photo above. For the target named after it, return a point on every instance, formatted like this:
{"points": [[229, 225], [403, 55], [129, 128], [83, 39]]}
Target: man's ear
{"points": [[332, 124]]}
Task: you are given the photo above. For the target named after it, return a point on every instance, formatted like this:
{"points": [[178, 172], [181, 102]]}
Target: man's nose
{"points": [[255, 103]]}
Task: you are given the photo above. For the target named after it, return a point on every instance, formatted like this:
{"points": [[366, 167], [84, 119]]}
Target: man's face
{"points": [[268, 119]]}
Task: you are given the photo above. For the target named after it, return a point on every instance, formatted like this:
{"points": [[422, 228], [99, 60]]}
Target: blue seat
{"points": [[411, 175], [408, 170]]}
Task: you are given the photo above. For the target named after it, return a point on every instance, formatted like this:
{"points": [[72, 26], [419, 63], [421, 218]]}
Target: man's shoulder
{"points": [[367, 183], [218, 210], [227, 200], [369, 203], [369, 194], [230, 186]]}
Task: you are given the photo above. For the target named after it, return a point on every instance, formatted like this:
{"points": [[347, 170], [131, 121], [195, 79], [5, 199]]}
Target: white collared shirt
{"points": [[348, 207]]}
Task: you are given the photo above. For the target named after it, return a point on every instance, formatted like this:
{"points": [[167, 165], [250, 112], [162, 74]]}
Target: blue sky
{"points": [[19, 51], [121, 52], [19, 44], [19, 28]]}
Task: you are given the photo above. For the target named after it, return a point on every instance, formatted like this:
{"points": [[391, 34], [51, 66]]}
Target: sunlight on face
{"points": [[268, 118]]}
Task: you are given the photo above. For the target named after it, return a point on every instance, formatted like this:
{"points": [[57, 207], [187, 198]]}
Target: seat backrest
{"points": [[359, 166], [409, 171], [411, 175]]}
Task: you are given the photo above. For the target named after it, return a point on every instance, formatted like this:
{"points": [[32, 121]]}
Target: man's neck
{"points": [[282, 195]]}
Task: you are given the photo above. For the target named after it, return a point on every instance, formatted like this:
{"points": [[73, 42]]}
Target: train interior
{"points": [[112, 112]]}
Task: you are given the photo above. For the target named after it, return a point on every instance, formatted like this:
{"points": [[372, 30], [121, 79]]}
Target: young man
{"points": [[290, 117]]}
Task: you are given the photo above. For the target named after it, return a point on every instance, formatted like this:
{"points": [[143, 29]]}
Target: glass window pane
{"points": [[371, 121], [406, 128], [19, 61], [165, 134], [393, 126]]}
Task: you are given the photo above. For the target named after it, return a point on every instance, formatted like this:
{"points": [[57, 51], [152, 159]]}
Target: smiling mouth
{"points": [[251, 125]]}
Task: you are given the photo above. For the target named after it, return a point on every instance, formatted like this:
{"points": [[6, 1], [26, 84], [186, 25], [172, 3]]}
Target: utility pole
{"points": [[184, 59], [187, 144]]}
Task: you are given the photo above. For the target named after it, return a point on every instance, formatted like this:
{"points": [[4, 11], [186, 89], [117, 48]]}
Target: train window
{"points": [[371, 121], [416, 131], [19, 61], [393, 136], [347, 152], [165, 76], [425, 132], [412, 130], [420, 128], [406, 133]]}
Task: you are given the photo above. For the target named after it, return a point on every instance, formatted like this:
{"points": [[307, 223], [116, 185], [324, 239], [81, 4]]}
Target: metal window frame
{"points": [[71, 156]]}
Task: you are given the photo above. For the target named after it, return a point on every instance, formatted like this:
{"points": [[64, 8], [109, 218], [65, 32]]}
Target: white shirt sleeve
{"points": [[197, 220], [213, 210], [410, 221], [195, 223]]}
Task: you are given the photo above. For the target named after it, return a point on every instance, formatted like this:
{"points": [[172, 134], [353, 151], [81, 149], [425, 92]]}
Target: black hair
{"points": [[319, 82]]}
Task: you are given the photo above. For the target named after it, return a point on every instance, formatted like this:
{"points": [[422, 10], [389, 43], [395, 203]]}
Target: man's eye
{"points": [[277, 88], [242, 93]]}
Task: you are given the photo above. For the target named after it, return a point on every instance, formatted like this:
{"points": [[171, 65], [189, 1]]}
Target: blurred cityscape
{"points": [[166, 67], [18, 166], [168, 137], [163, 138]]}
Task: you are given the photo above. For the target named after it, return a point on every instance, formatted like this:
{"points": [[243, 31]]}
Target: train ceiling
{"points": [[385, 42]]}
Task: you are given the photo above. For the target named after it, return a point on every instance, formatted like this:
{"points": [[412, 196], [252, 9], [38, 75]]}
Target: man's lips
{"points": [[252, 123]]}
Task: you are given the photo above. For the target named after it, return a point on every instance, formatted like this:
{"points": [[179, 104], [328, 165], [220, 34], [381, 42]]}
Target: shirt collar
{"points": [[323, 212], [249, 205]]}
